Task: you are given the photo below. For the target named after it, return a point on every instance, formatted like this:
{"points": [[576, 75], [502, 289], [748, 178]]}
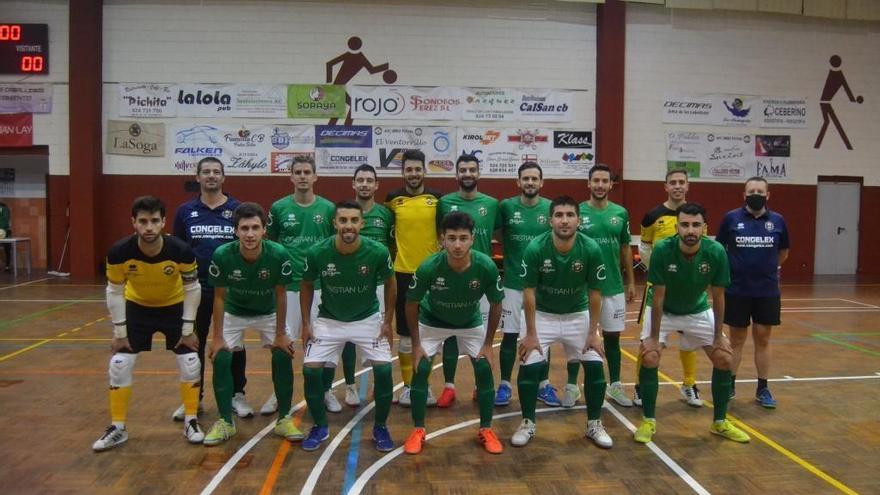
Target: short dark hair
{"points": [[147, 204], [467, 158], [457, 220], [600, 167], [249, 209], [758, 179], [692, 209], [674, 171], [413, 155], [209, 159], [348, 204], [562, 201], [364, 167], [303, 159], [527, 165]]}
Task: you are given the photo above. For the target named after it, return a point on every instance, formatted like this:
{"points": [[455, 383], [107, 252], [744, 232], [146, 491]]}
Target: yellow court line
{"points": [[775, 446], [42, 342]]}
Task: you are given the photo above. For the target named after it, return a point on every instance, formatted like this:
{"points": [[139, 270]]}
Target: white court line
{"points": [[785, 378], [53, 300], [857, 302], [368, 473], [26, 283], [830, 310]]}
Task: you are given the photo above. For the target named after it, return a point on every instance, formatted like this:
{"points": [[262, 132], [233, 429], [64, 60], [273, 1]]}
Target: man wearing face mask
{"points": [[757, 244]]}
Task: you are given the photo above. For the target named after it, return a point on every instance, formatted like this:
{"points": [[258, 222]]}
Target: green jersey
{"points": [[379, 225], [348, 281], [519, 225], [562, 281], [300, 227], [483, 210], [250, 287], [686, 279], [449, 299], [609, 227], [5, 215]]}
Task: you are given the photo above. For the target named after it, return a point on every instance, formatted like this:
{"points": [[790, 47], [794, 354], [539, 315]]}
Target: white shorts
{"points": [[484, 310], [613, 315], [696, 330], [234, 327], [330, 337], [294, 313], [470, 340], [570, 329], [513, 319]]}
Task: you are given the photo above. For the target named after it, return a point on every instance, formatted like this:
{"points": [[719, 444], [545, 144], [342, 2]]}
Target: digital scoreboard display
{"points": [[24, 48]]}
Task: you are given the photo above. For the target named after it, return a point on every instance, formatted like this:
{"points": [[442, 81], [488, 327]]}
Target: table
{"points": [[15, 241]]}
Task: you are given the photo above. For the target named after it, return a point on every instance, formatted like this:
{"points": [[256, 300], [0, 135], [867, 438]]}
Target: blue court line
{"points": [[354, 447]]}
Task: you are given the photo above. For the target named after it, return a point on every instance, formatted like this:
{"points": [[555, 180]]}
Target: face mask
{"points": [[756, 202]]}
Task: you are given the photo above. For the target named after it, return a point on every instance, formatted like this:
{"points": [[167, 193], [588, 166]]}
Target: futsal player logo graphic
{"points": [[353, 62], [833, 82]]}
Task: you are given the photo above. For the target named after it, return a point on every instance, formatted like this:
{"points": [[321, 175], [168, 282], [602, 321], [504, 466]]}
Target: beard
{"points": [[467, 185]]}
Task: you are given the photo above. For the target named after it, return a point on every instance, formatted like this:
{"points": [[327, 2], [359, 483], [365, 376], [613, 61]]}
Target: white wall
{"points": [[30, 176], [49, 129], [690, 51], [428, 43]]}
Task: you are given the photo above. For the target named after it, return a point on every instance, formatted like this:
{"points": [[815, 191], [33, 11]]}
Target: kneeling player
{"points": [[152, 286], [348, 266], [250, 277]]}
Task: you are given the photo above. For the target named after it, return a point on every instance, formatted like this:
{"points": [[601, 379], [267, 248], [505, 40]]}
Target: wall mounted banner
{"points": [[340, 149], [16, 130], [205, 100], [494, 104], [259, 101], [145, 100], [773, 157], [735, 110], [126, 137], [315, 101], [406, 103], [25, 98], [729, 157], [544, 105], [790, 113], [437, 143], [502, 151]]}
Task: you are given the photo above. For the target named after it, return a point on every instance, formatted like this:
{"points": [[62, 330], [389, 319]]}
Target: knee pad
{"points": [[121, 367], [405, 344], [189, 366]]}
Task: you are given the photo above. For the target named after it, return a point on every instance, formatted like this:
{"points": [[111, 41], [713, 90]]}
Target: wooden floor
{"points": [[823, 438]]}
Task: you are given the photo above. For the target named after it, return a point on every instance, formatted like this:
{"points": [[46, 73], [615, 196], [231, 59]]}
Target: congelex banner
{"points": [[729, 157], [735, 110]]}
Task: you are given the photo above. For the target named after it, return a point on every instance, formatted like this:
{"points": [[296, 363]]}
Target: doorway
{"points": [[837, 225]]}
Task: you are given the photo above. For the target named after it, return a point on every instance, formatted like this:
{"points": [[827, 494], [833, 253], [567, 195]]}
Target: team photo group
{"points": [[338, 281]]}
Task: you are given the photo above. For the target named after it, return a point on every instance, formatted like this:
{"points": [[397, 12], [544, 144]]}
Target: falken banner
{"points": [[561, 153], [735, 110], [729, 157]]}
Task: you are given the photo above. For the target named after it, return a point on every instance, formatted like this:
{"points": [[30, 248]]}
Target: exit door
{"points": [[837, 228]]}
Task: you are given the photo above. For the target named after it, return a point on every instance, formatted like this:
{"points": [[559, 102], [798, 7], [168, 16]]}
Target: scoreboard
{"points": [[24, 48]]}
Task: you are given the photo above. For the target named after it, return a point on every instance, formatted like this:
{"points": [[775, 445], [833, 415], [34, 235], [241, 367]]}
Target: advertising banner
{"points": [[788, 113], [773, 157], [315, 101], [544, 105], [711, 156], [126, 137], [494, 104], [260, 101], [501, 151], [721, 110], [205, 100], [437, 143], [340, 149], [406, 103], [16, 130], [25, 98], [145, 100]]}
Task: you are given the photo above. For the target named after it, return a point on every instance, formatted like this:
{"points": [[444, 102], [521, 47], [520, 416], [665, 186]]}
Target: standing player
{"points": [[378, 223], [659, 224], [152, 286], [757, 245], [205, 223], [607, 223], [349, 267], [682, 269], [249, 276], [483, 210], [561, 272], [522, 218], [415, 234], [299, 221], [6, 231], [444, 301]]}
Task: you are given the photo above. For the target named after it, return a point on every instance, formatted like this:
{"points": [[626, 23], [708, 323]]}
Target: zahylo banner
{"points": [[561, 153], [126, 137], [735, 110], [25, 98], [315, 101], [732, 157]]}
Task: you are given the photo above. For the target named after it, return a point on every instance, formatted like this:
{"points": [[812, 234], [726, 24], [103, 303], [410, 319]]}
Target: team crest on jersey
{"points": [[439, 284], [364, 270], [474, 284], [227, 214], [547, 267], [132, 268], [704, 267], [330, 271], [236, 275], [614, 221], [769, 226], [483, 211], [672, 268], [542, 219], [428, 201], [318, 218], [168, 270], [263, 274], [577, 266]]}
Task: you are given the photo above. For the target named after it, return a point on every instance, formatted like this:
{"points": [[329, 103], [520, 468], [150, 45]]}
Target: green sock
{"points": [[720, 392], [732, 382], [282, 380], [573, 368], [223, 384], [545, 370], [314, 386], [382, 392], [349, 356], [450, 359], [327, 378], [527, 387], [612, 355], [485, 390], [418, 393], [594, 388], [648, 388], [507, 355]]}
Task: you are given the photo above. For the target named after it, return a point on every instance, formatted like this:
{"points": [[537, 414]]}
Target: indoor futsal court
{"points": [[822, 438]]}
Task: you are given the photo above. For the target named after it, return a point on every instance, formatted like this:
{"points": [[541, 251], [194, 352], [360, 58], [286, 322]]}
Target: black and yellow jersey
{"points": [[415, 226], [152, 281], [658, 224]]}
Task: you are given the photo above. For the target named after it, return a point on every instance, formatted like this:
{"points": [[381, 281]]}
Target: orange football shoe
{"points": [[447, 397], [415, 442], [490, 441]]}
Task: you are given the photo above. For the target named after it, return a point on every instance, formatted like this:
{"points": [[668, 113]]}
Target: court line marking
{"points": [[278, 462], [772, 444], [45, 341], [25, 283], [368, 473], [36, 314], [858, 302], [847, 345], [356, 436]]}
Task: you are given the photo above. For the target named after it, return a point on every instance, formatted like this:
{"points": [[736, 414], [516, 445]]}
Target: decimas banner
{"points": [[731, 157], [340, 149], [25, 98], [561, 153], [735, 110], [437, 143]]}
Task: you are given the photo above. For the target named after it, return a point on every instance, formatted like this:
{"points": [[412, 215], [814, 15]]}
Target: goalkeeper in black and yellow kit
{"points": [[658, 224], [152, 286]]}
